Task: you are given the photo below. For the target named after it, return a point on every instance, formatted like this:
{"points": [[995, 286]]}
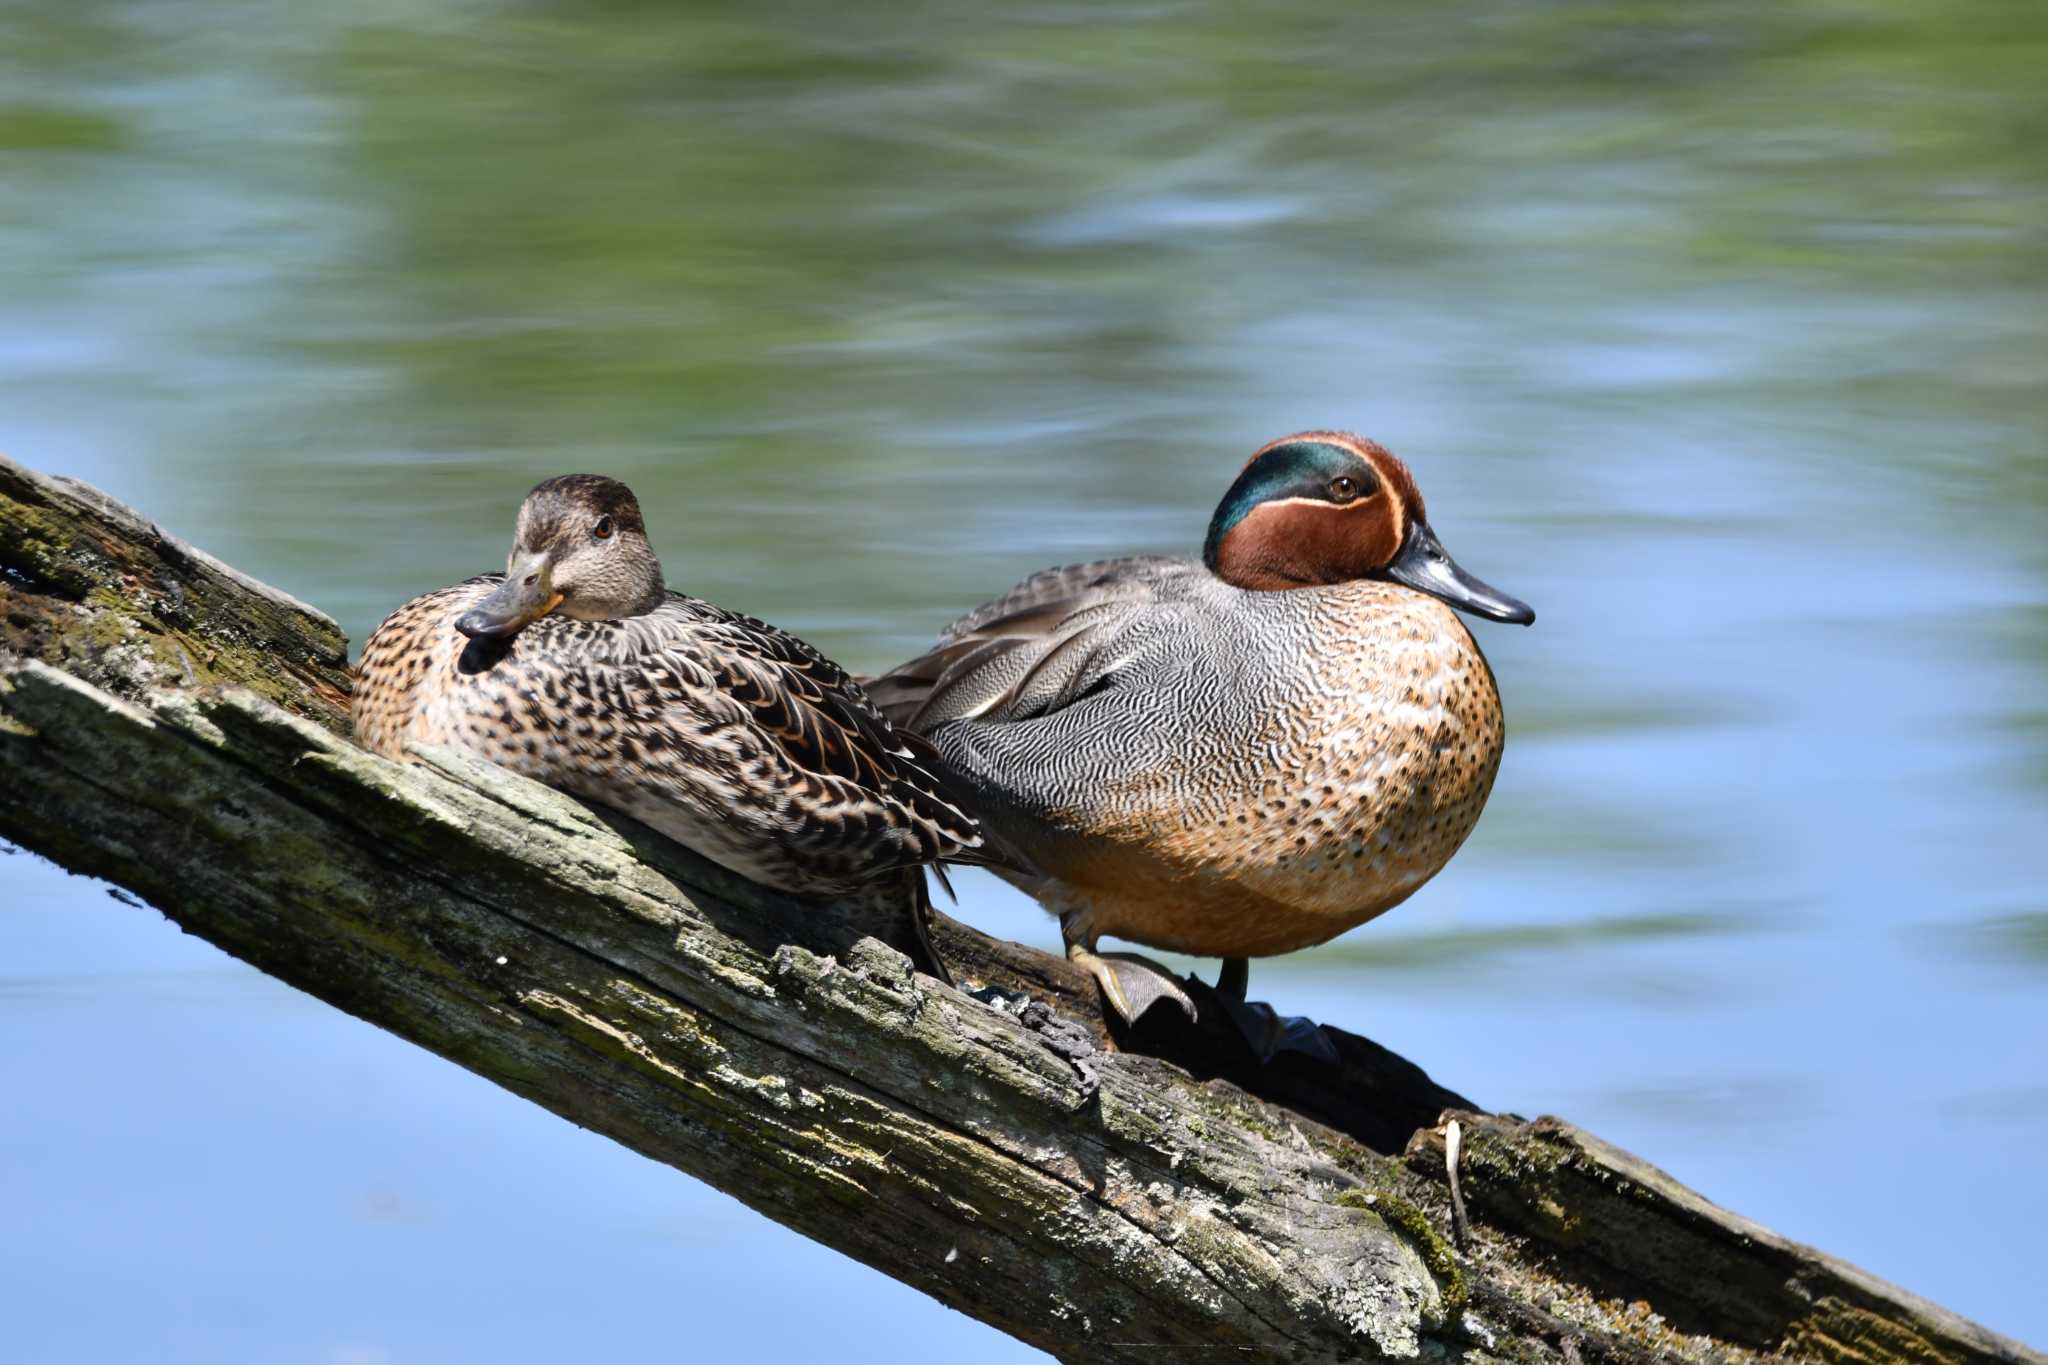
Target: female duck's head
{"points": [[580, 550], [1327, 507]]}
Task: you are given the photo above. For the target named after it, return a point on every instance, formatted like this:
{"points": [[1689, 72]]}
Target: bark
{"points": [[180, 730]]}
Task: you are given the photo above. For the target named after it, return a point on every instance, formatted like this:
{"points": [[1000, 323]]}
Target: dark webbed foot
{"points": [[1133, 984], [1265, 1032], [1268, 1033]]}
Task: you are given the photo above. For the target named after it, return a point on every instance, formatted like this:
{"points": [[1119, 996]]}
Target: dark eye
{"points": [[603, 529], [1344, 488]]}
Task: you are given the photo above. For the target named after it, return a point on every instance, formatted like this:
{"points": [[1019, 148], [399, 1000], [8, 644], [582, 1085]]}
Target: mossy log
{"points": [[180, 730]]}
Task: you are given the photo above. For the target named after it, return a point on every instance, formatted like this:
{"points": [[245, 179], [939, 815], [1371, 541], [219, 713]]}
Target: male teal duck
{"points": [[1235, 757], [579, 668]]}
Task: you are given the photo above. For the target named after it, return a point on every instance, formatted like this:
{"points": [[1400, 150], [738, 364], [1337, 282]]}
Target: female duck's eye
{"points": [[603, 529], [1344, 488]]}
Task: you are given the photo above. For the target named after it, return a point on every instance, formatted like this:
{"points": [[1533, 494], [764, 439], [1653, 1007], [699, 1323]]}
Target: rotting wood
{"points": [[179, 729]]}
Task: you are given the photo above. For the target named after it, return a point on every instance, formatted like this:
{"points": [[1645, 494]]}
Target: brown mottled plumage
{"points": [[1236, 757], [579, 669]]}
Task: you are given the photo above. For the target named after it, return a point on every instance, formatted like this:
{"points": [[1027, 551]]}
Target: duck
{"points": [[580, 668], [1235, 756]]}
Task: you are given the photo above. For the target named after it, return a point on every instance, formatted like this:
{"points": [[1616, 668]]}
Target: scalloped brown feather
{"points": [[732, 737]]}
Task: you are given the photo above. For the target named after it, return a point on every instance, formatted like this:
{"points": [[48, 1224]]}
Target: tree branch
{"points": [[172, 726]]}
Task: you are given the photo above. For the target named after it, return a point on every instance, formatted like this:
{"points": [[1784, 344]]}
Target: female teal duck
{"points": [[579, 668], [1237, 757]]}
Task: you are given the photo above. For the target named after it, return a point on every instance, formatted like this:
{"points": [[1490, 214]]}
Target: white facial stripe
{"points": [[1314, 502], [1387, 486]]}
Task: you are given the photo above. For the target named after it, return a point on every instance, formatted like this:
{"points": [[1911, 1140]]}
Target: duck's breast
{"points": [[1337, 753], [1383, 749], [407, 670]]}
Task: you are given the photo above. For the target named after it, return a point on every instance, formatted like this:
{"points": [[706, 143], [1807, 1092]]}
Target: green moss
{"points": [[1532, 1168], [43, 548], [242, 667], [198, 657], [1414, 1226], [104, 630], [1368, 1165], [1839, 1331], [106, 599]]}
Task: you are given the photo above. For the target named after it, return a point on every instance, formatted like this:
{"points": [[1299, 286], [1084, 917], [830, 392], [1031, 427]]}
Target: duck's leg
{"points": [[1130, 983], [1235, 978], [926, 956]]}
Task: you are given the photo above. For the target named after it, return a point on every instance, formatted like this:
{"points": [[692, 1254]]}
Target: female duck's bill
{"points": [[527, 594]]}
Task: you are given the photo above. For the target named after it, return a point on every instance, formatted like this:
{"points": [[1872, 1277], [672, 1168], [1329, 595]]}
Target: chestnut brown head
{"points": [[1324, 507]]}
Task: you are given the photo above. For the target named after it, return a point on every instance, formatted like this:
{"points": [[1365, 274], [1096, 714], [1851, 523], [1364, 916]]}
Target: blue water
{"points": [[1723, 345]]}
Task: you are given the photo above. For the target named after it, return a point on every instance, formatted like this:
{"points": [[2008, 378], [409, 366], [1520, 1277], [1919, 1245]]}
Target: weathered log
{"points": [[179, 729]]}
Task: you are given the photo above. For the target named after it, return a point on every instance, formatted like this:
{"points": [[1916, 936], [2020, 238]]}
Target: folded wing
{"points": [[1041, 647]]}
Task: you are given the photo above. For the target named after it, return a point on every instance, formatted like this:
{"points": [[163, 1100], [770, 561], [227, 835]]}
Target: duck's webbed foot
{"points": [[1130, 983], [1269, 1033], [1266, 1032]]}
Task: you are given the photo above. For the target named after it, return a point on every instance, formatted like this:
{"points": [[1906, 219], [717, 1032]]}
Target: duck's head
{"points": [[1325, 507], [581, 550]]}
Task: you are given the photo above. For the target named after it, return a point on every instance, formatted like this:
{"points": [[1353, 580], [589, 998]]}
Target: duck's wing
{"points": [[1038, 648], [1136, 576], [879, 796]]}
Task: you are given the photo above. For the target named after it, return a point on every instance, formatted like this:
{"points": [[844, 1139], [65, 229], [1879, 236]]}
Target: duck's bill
{"points": [[512, 606], [1424, 566]]}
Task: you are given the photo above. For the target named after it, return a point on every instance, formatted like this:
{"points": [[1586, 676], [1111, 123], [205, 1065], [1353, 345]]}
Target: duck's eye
{"points": [[1343, 488], [603, 529]]}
